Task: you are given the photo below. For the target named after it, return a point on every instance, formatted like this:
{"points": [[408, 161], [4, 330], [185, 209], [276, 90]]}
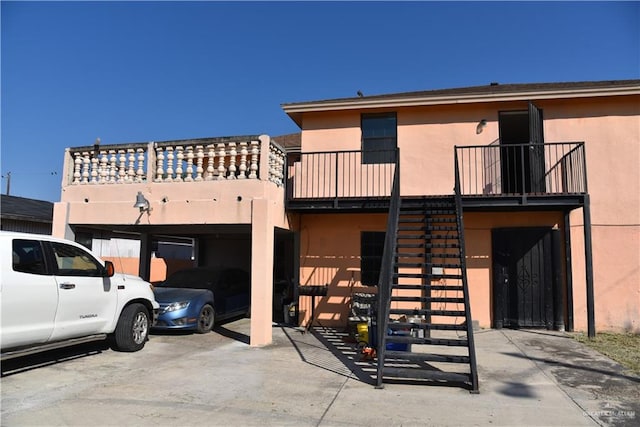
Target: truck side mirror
{"points": [[110, 268]]}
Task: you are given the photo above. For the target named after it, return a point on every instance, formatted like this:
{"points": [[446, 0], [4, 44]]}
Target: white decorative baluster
{"points": [[170, 157], [232, 160], [273, 162], [159, 164], [77, 165], [140, 170], [281, 162], [179, 160], [200, 159], [221, 155], [189, 177], [243, 161], [94, 169], [210, 163], [131, 170], [103, 171], [254, 160], [113, 166], [122, 166], [86, 161]]}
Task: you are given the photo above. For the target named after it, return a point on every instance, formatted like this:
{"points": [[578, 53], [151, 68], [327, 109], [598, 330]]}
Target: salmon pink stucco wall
{"points": [[160, 268], [611, 131], [330, 254]]}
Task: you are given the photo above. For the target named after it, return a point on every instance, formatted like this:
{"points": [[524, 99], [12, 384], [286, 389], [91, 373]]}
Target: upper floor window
{"points": [[379, 138]]}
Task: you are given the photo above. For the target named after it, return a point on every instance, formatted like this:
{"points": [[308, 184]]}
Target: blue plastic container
{"points": [[397, 346]]}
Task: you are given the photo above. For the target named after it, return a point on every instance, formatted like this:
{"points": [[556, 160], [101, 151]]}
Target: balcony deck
{"points": [[493, 177]]}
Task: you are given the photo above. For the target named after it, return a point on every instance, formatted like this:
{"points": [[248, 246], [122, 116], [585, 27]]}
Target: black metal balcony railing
{"points": [[487, 171], [533, 169], [342, 174]]}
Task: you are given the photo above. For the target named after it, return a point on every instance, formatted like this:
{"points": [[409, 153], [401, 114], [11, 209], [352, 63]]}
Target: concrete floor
{"points": [[527, 378]]}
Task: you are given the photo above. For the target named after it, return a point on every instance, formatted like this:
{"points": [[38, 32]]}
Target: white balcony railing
{"points": [[208, 159]]}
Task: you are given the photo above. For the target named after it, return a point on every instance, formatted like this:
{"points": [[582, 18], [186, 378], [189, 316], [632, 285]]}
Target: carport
{"points": [[243, 246]]}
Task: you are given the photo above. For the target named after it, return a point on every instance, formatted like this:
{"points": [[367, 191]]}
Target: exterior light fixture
{"points": [[481, 126], [142, 203]]}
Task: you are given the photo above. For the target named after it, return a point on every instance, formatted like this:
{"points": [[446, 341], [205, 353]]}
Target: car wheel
{"points": [[205, 319], [132, 330]]}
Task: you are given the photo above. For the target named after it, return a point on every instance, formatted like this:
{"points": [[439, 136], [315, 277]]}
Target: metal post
{"points": [[558, 300], [522, 168], [588, 260], [568, 272], [8, 183], [335, 201]]}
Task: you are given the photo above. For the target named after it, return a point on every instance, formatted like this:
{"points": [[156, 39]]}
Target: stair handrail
{"points": [[463, 271], [386, 269]]}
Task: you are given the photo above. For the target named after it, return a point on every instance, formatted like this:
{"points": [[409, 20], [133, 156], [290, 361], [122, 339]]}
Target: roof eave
{"points": [[295, 110]]}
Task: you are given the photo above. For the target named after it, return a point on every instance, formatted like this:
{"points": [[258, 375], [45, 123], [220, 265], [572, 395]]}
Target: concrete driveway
{"points": [[530, 378]]}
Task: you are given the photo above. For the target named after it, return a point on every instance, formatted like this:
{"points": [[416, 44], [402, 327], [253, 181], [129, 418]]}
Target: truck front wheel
{"points": [[132, 329]]}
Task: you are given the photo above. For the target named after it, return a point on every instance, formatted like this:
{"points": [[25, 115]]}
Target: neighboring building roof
{"points": [[290, 142], [487, 93], [23, 209]]}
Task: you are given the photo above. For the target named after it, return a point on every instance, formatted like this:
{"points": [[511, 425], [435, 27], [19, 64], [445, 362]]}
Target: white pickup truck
{"points": [[56, 293]]}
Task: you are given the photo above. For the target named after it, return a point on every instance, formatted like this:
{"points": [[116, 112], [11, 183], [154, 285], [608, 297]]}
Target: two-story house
{"points": [[512, 205]]}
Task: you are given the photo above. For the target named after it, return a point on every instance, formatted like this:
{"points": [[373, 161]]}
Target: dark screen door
{"points": [[522, 277]]}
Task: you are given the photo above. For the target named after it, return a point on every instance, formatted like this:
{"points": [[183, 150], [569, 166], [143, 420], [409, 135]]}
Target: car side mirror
{"points": [[110, 268]]}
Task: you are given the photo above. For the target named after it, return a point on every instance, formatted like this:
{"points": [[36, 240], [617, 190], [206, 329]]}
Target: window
{"points": [[371, 247], [379, 138], [28, 257], [73, 261]]}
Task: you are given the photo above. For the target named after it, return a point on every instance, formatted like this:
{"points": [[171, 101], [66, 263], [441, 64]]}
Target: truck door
{"points": [[25, 278], [87, 298]]}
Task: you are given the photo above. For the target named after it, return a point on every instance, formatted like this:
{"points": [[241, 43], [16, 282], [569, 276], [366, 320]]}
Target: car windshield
{"points": [[196, 278]]}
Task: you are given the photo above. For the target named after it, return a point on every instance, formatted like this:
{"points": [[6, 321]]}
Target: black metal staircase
{"points": [[429, 334]]}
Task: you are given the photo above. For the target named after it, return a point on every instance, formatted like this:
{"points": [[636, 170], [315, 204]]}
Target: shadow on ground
{"points": [[332, 350], [52, 357]]}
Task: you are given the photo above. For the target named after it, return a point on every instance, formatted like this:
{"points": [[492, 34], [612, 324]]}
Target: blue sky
{"points": [[153, 71]]}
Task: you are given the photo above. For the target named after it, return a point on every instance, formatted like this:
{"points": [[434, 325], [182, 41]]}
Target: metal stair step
{"points": [[428, 236], [425, 312], [426, 288], [427, 245], [407, 339], [426, 276], [428, 228], [425, 357], [425, 265], [403, 326], [425, 374], [424, 255], [428, 299], [407, 219], [413, 210]]}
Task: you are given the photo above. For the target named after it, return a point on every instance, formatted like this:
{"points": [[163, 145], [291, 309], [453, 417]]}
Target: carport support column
{"points": [[262, 242]]}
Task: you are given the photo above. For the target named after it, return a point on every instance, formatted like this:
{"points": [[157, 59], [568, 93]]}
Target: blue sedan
{"points": [[197, 298]]}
